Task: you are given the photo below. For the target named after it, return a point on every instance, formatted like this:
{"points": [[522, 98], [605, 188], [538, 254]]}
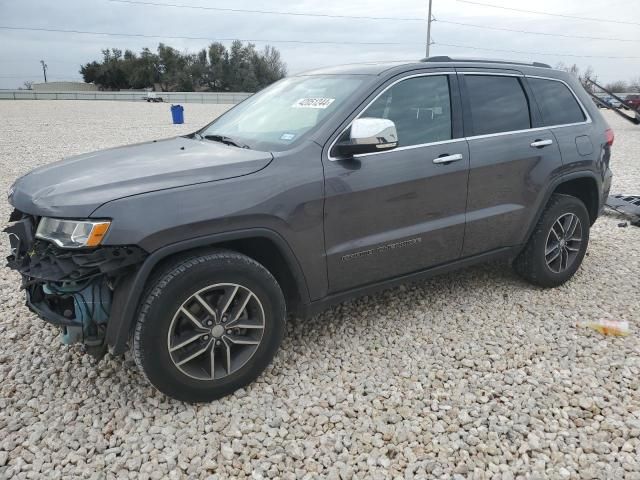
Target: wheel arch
{"points": [[570, 184], [263, 245]]}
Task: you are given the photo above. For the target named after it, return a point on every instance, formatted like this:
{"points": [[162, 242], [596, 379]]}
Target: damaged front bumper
{"points": [[72, 289]]}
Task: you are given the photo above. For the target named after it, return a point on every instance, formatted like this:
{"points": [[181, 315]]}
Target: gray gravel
{"points": [[469, 375]]}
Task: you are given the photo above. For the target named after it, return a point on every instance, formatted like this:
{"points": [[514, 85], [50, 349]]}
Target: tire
{"points": [[539, 262], [172, 315]]}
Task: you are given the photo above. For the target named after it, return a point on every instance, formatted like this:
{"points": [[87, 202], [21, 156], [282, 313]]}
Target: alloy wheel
{"points": [[216, 331], [563, 242]]}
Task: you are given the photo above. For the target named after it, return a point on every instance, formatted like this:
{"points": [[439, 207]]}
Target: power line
{"points": [[268, 12], [538, 12], [536, 33], [174, 37], [532, 53], [322, 15]]}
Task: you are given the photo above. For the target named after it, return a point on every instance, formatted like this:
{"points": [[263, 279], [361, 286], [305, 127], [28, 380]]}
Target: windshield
{"points": [[281, 114]]}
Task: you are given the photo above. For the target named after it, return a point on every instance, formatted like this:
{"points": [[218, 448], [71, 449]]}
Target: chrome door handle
{"points": [[541, 143], [448, 158]]}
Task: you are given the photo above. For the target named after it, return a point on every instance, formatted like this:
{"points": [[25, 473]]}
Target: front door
{"points": [[400, 211]]}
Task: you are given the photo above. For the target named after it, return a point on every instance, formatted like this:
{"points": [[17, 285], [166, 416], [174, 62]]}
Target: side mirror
{"points": [[369, 135]]}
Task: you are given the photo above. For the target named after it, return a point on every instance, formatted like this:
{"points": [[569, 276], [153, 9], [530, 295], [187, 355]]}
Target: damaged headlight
{"points": [[72, 233]]}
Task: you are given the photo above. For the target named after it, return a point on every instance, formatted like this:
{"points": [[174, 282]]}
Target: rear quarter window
{"points": [[558, 105]]}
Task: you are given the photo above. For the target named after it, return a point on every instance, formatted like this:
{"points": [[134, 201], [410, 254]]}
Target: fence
{"points": [[169, 97]]}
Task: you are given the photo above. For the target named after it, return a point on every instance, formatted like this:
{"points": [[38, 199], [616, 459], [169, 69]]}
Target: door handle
{"points": [[541, 143], [448, 158]]}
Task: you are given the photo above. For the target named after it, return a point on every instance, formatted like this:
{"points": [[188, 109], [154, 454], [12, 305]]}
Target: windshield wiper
{"points": [[226, 140]]}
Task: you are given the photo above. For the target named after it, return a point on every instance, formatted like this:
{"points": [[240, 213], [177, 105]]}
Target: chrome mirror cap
{"points": [[378, 132], [368, 135]]}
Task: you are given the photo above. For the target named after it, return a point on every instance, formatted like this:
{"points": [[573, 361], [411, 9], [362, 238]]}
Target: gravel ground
{"points": [[470, 375]]}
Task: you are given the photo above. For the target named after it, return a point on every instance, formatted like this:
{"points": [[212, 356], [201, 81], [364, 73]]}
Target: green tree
{"points": [[241, 68]]}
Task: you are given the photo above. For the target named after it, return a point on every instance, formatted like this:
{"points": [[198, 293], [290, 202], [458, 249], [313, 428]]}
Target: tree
{"points": [[617, 86], [241, 68], [28, 85]]}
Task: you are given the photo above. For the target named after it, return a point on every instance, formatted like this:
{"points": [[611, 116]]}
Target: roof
{"points": [[378, 68]]}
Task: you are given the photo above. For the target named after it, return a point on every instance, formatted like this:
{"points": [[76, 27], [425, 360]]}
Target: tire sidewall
{"points": [[174, 289]]}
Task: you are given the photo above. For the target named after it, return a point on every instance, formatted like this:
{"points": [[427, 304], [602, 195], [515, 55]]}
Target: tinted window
{"points": [[498, 104], [420, 107], [557, 104]]}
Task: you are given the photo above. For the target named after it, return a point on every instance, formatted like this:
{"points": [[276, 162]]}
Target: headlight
{"points": [[72, 233]]}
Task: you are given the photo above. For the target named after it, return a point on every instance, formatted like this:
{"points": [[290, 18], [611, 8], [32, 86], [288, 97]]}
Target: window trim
{"points": [[535, 129], [472, 137], [408, 147], [523, 86], [580, 105]]}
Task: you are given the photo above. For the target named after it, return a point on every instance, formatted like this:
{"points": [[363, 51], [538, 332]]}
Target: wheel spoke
{"points": [[206, 305], [572, 226], [227, 354], [550, 260], [226, 299], [551, 249], [190, 316], [212, 360], [241, 340], [239, 308], [247, 326], [187, 342], [192, 356]]}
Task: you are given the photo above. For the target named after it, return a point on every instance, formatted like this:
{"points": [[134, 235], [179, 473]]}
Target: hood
{"points": [[76, 186]]}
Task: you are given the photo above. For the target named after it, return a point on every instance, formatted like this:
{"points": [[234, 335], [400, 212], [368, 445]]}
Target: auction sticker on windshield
{"points": [[315, 102]]}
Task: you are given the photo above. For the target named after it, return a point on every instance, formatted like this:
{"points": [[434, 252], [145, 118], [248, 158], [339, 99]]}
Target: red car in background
{"points": [[633, 101]]}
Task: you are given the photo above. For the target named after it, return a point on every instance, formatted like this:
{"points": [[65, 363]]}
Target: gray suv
{"points": [[192, 250]]}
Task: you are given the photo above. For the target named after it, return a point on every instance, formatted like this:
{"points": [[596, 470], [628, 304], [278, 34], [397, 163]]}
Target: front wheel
{"points": [[210, 325], [558, 244]]}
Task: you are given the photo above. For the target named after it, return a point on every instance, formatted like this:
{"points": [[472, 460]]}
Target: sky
{"points": [[354, 40]]}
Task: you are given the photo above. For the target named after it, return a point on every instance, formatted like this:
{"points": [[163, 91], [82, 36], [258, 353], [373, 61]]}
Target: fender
{"points": [[129, 291], [549, 191]]}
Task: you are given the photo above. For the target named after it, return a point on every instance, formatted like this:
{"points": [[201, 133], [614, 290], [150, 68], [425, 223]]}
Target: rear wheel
{"points": [[209, 326], [558, 244]]}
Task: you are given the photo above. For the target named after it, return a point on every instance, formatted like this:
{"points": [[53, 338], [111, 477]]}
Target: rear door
{"points": [[400, 211], [562, 113], [511, 159]]}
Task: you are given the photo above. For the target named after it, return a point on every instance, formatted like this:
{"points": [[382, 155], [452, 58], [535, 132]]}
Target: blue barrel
{"points": [[177, 114]]}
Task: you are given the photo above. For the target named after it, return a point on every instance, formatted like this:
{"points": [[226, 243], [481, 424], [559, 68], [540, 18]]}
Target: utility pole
{"points": [[44, 70], [429, 29]]}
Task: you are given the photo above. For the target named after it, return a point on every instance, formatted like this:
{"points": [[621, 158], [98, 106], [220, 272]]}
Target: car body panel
{"points": [[76, 186], [286, 197]]}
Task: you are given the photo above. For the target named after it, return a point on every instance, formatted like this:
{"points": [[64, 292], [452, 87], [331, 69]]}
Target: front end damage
{"points": [[70, 288]]}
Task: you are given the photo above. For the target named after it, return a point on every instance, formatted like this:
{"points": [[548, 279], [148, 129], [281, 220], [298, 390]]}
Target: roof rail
{"points": [[446, 58]]}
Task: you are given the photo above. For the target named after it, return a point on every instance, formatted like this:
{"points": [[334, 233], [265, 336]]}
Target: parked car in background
{"points": [[334, 183], [153, 97], [612, 102], [633, 101]]}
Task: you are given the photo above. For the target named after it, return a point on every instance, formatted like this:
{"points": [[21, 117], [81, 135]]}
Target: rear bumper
{"points": [[606, 187]]}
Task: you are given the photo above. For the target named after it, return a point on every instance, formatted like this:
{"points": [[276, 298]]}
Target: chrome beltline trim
{"points": [[473, 137]]}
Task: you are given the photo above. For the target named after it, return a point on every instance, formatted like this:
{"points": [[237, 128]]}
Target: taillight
{"points": [[608, 133]]}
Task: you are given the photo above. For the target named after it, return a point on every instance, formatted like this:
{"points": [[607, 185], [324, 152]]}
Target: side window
{"points": [[498, 104], [557, 104], [420, 107]]}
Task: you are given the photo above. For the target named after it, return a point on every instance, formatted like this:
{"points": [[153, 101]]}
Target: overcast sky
{"points": [[21, 51]]}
